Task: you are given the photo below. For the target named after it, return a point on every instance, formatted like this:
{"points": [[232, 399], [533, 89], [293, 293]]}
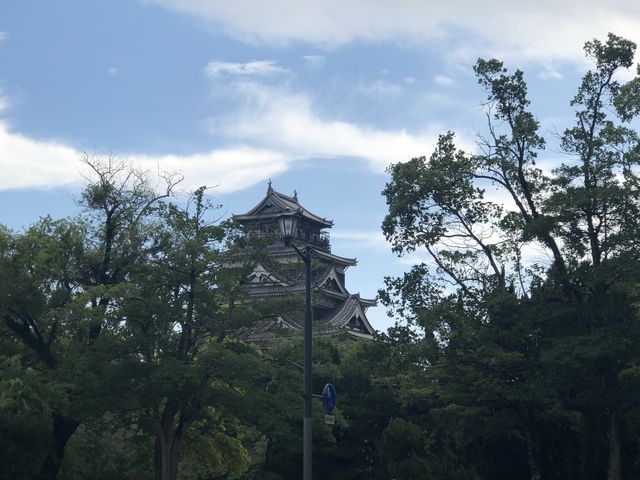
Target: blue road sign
{"points": [[329, 398]]}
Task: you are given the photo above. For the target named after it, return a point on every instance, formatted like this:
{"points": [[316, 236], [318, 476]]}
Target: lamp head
{"points": [[288, 224]]}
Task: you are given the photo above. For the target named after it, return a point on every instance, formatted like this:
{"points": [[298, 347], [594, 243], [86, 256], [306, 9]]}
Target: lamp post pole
{"points": [[288, 224], [308, 370]]}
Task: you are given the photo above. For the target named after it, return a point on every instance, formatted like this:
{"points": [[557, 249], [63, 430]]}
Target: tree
{"points": [[177, 320], [59, 283], [499, 322], [120, 332]]}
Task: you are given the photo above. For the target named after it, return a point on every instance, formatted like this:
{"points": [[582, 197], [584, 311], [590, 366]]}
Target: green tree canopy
{"points": [[527, 303]]}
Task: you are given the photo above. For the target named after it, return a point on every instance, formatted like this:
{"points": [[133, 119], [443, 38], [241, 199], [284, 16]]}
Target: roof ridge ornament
{"points": [[295, 195], [269, 188]]}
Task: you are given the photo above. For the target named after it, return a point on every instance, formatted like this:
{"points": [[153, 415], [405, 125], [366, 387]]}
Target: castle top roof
{"points": [[275, 204]]}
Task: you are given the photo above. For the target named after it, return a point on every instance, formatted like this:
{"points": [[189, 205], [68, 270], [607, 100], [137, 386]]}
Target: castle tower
{"points": [[281, 274]]}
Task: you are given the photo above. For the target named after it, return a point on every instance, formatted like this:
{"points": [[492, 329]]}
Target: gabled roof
{"points": [[261, 276], [349, 314], [275, 204], [326, 279]]}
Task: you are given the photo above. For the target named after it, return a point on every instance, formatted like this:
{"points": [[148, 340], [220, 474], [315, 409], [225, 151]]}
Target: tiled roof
{"points": [[334, 258], [275, 204], [350, 308]]}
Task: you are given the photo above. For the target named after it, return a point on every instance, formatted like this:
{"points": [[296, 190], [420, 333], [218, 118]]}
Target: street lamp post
{"points": [[288, 228]]}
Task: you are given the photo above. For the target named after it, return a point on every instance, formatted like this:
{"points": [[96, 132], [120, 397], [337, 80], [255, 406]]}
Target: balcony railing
{"points": [[320, 240]]}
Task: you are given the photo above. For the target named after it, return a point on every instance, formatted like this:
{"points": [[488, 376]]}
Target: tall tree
{"points": [[178, 315], [492, 308], [60, 282]]}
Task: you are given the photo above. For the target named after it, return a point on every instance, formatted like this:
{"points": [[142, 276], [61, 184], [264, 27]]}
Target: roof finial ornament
{"points": [[295, 195], [269, 188]]}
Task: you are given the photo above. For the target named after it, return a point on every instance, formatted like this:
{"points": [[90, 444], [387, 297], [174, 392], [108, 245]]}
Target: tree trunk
{"points": [[533, 452], [63, 429], [167, 448], [157, 458], [584, 451], [615, 449], [167, 457]]}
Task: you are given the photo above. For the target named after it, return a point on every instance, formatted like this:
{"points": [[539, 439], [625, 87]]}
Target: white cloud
{"points": [[409, 80], [113, 71], [315, 60], [273, 128], [363, 239], [546, 29], [229, 169], [443, 80], [256, 68], [4, 36], [550, 74], [279, 120], [30, 163], [379, 88], [415, 258], [624, 75]]}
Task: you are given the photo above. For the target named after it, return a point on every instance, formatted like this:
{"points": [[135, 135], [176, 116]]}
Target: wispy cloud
{"points": [[271, 128], [230, 169], [274, 128], [379, 88], [550, 74], [373, 239], [253, 68], [33, 163], [113, 71], [546, 29], [4, 36], [443, 80], [40, 164], [284, 121], [315, 60], [4, 101]]}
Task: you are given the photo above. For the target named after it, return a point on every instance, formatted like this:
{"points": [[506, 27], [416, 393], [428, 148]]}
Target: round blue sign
{"points": [[330, 398]]}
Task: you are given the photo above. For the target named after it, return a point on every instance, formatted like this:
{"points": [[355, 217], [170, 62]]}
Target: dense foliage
{"points": [[527, 303], [122, 352]]}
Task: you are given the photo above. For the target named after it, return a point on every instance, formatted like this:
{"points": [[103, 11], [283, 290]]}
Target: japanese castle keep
{"points": [[281, 274]]}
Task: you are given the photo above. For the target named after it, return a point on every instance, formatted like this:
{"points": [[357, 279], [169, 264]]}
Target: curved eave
{"points": [[349, 262], [274, 291], [350, 308], [285, 204], [368, 336], [322, 223], [292, 325], [283, 251], [333, 294], [369, 302]]}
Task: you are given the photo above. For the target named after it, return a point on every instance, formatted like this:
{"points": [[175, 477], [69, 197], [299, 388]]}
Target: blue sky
{"points": [[318, 96]]}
